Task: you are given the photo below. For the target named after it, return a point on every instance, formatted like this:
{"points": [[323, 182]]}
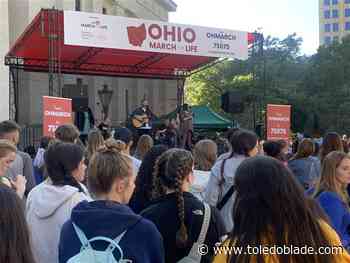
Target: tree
{"points": [[328, 86], [317, 87], [269, 77]]}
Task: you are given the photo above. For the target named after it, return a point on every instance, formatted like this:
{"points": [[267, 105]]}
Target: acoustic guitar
{"points": [[139, 120]]}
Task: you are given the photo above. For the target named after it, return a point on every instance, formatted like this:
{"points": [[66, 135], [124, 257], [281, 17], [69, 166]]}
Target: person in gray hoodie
{"points": [[49, 205]]}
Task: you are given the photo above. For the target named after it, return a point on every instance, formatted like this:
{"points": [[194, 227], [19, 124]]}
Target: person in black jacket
{"points": [[143, 190], [177, 213], [171, 136], [84, 121]]}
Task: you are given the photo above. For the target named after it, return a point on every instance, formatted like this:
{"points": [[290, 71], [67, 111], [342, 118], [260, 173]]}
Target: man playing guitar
{"points": [[142, 118]]}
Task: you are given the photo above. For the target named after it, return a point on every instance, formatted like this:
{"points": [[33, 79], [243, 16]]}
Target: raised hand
{"points": [[20, 185]]}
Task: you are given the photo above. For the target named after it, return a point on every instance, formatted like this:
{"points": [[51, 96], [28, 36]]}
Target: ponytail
{"points": [[171, 169], [181, 234]]}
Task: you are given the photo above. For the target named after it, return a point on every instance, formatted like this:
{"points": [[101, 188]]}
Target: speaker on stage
{"points": [[80, 104], [232, 102]]}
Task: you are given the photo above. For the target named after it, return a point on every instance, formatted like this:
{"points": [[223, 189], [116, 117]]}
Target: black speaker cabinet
{"points": [[232, 102]]}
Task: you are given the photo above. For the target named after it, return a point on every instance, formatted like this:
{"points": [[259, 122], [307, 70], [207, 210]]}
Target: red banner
{"points": [[56, 111], [278, 122]]}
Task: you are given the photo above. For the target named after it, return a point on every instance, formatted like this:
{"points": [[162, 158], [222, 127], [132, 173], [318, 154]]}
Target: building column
{"points": [[150, 94], [115, 103], [97, 6], [4, 70]]}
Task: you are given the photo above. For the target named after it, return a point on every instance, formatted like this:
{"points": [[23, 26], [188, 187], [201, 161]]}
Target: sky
{"points": [[277, 18]]}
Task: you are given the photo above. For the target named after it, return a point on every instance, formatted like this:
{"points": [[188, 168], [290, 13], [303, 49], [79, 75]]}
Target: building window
{"points": [[327, 14], [327, 2], [327, 28], [104, 11], [334, 2], [347, 26], [335, 13], [347, 12], [335, 27], [327, 40], [77, 5]]}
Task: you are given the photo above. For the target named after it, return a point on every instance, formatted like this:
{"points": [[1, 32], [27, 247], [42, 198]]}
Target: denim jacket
{"points": [[306, 170]]}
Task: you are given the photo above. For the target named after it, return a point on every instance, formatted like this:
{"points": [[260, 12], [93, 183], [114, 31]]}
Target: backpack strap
{"points": [[226, 197], [83, 239], [120, 237], [112, 246], [201, 238], [205, 224]]}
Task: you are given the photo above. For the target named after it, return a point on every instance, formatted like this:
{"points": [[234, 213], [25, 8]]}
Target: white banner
{"points": [[97, 30]]}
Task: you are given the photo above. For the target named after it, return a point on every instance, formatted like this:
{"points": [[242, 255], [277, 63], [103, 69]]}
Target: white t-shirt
{"points": [[136, 163], [200, 182]]}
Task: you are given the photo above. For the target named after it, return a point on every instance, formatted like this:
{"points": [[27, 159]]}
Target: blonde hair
{"points": [[144, 144], [205, 154], [106, 166], [6, 147], [95, 142], [328, 179], [116, 145]]}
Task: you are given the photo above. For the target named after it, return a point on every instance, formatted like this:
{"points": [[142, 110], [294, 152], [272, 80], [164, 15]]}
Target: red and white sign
{"points": [[56, 111], [278, 122], [103, 31]]}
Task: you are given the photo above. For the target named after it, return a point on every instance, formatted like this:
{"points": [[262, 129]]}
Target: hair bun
{"points": [[115, 145]]}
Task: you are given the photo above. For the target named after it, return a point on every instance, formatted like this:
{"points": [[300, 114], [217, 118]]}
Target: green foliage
{"points": [[317, 87]]}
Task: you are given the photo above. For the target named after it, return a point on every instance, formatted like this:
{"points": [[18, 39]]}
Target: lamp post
{"points": [[181, 79], [259, 75], [105, 95]]}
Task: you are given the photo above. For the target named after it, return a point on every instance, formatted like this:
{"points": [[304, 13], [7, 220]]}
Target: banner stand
{"points": [[278, 122], [56, 112]]}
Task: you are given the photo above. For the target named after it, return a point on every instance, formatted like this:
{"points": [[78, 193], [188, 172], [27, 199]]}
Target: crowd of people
{"points": [[113, 201]]}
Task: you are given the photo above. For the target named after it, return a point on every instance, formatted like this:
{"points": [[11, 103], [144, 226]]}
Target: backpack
{"points": [[88, 255], [194, 256]]}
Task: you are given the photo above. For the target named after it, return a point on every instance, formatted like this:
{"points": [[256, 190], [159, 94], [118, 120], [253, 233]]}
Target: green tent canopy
{"points": [[204, 118]]}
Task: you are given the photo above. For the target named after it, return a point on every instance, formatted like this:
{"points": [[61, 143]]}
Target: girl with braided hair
{"points": [[177, 213], [219, 189]]}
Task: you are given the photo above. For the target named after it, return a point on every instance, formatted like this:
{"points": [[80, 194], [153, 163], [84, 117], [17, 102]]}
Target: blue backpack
{"points": [[89, 255]]}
